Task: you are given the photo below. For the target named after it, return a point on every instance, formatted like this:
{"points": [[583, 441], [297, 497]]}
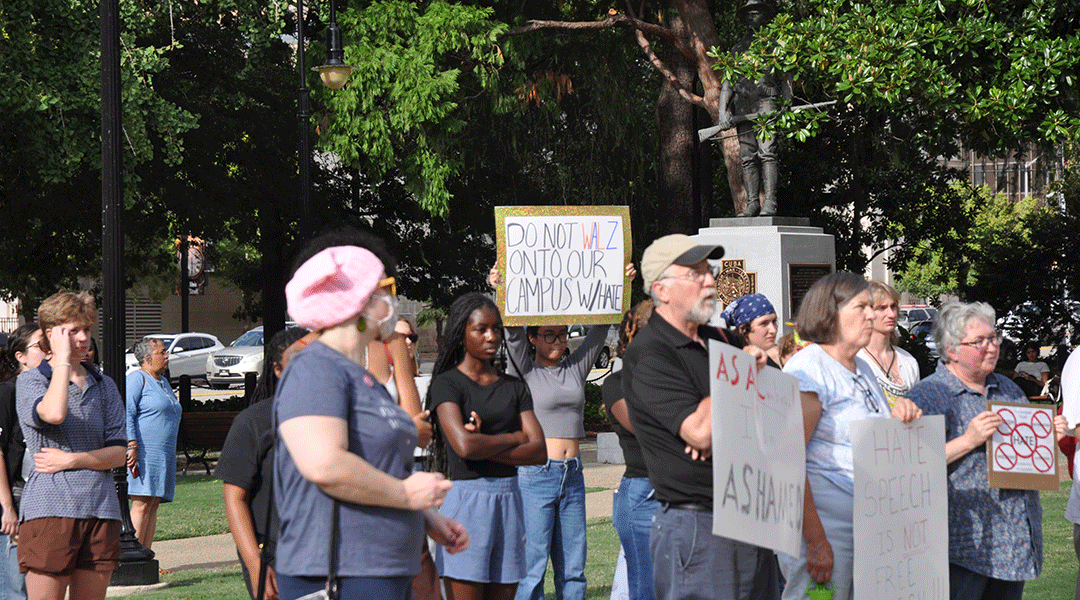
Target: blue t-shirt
{"points": [[375, 541]]}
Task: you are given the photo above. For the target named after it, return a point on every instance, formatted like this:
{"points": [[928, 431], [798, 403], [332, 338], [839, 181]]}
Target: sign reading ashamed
{"points": [[759, 454], [563, 264], [901, 509]]}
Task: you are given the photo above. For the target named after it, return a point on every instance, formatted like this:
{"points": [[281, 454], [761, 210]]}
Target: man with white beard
{"points": [[666, 385]]}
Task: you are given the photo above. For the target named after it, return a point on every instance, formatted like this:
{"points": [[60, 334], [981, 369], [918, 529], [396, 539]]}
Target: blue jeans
{"points": [[632, 509], [553, 496], [690, 563], [12, 582]]}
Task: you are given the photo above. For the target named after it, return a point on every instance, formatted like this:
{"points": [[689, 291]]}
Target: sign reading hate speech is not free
{"points": [[900, 509], [563, 264]]}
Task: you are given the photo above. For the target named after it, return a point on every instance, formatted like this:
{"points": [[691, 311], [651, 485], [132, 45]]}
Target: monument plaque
{"points": [[733, 281], [800, 278]]}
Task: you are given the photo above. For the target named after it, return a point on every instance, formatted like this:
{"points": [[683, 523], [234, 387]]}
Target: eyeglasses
{"points": [[868, 396], [982, 343], [390, 284], [35, 345], [696, 275], [550, 338]]}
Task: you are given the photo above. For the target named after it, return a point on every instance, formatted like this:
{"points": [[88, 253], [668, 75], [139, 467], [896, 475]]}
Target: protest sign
{"points": [[563, 264], [1021, 453], [759, 453], [901, 509]]}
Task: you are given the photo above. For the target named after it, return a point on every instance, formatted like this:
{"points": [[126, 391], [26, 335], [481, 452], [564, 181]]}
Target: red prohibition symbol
{"points": [[1043, 459], [1041, 423], [1005, 457], [1008, 420], [1023, 440]]}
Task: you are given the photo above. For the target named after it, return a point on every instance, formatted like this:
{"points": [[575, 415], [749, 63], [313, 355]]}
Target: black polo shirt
{"points": [[666, 375]]}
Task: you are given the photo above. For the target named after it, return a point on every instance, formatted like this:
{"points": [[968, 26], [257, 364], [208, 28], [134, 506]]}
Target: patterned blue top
{"points": [[994, 532], [95, 420], [844, 397]]}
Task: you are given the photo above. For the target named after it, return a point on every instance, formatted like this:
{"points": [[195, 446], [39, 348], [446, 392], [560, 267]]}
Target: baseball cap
{"points": [[674, 249]]}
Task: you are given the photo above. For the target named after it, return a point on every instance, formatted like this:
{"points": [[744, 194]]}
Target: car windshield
{"points": [[251, 338]]}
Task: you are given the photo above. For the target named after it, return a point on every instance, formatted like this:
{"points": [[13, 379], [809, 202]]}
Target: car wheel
{"points": [[604, 360]]}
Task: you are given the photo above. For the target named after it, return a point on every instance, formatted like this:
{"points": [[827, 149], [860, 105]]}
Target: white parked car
{"points": [[187, 353], [229, 365]]}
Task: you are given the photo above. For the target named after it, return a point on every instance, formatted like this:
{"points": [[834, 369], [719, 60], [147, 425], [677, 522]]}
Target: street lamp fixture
{"points": [[335, 73]]}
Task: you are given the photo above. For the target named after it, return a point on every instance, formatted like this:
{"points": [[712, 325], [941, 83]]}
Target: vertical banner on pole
{"points": [[759, 454], [901, 509]]}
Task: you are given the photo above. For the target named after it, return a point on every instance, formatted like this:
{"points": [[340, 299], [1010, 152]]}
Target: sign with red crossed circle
{"points": [[1021, 452]]}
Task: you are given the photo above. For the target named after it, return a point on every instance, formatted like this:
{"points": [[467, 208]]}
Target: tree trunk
{"points": [[675, 123], [698, 18]]}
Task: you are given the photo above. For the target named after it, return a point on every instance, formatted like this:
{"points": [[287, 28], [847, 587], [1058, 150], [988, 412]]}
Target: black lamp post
{"points": [[335, 74], [137, 564]]}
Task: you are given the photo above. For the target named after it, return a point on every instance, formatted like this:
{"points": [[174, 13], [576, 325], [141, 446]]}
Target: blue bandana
{"points": [[746, 309]]}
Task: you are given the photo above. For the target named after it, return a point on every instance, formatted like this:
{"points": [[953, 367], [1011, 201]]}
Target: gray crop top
{"points": [[558, 393]]}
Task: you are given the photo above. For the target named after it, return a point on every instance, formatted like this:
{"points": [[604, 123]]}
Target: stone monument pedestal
{"points": [[780, 257]]}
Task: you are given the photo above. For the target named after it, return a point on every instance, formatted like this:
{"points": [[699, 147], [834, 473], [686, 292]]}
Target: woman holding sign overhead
{"points": [[554, 493], [995, 535], [837, 388]]}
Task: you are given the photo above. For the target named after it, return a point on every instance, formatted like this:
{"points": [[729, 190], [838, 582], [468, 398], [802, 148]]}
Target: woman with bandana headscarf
{"points": [[754, 317]]}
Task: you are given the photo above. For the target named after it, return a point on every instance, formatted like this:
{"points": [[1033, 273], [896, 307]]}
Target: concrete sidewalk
{"points": [[218, 550]]}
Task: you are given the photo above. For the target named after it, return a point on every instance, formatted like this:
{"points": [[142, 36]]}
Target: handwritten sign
{"points": [[759, 455], [563, 264], [1022, 452], [901, 509]]}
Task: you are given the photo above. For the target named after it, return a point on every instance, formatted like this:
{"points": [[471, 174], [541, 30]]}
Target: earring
{"points": [[361, 325]]}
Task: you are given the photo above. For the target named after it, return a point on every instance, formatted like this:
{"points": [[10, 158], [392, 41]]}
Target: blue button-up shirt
{"points": [[994, 532]]}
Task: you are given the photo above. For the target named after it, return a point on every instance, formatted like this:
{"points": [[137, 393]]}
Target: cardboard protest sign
{"points": [[759, 454], [563, 264], [900, 509], [1022, 452]]}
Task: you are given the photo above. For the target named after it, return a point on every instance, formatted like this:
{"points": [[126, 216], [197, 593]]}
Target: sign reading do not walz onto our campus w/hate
{"points": [[563, 264]]}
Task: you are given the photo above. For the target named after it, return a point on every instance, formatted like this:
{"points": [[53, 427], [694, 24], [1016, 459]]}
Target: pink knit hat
{"points": [[332, 286]]}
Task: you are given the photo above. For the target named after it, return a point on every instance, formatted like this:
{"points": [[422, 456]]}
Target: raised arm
{"points": [[53, 406], [583, 358]]}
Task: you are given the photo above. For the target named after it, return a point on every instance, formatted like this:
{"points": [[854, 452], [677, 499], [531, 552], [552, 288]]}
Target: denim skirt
{"points": [[490, 509]]}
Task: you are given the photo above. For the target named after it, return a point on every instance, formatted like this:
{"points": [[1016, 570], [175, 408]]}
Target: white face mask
{"points": [[387, 323]]}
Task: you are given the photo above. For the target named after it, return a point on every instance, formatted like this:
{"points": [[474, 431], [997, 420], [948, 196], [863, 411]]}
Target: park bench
{"points": [[202, 433]]}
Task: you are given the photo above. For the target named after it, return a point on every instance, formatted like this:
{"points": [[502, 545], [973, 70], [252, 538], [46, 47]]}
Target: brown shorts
{"points": [[59, 545]]}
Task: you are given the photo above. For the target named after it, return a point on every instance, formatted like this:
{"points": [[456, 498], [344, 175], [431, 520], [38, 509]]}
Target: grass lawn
{"points": [[1058, 578], [197, 509], [220, 583]]}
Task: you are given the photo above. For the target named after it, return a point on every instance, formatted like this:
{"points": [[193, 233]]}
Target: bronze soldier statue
{"points": [[745, 100]]}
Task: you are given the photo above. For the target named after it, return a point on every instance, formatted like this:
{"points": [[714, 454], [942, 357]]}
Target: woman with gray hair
{"points": [[995, 535], [836, 388], [153, 420]]}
